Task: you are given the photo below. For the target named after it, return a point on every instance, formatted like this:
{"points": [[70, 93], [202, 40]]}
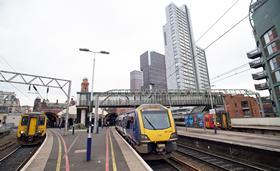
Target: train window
{"points": [[156, 119], [41, 120], [128, 124], [24, 120]]}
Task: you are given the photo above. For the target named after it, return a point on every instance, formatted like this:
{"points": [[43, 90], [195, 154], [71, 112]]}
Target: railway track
{"points": [[180, 164], [6, 145], [171, 163], [16, 159], [219, 162], [4, 132], [161, 165]]}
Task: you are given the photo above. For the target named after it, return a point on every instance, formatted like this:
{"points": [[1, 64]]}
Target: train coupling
{"points": [[160, 148]]}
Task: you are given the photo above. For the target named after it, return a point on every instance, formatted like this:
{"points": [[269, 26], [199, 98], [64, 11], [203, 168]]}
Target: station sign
{"points": [[212, 111]]}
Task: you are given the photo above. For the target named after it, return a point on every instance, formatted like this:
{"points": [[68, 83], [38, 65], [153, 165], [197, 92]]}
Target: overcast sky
{"points": [[43, 37]]}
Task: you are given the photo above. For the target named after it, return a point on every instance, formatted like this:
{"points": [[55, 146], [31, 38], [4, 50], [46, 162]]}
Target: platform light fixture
{"points": [[89, 139]]}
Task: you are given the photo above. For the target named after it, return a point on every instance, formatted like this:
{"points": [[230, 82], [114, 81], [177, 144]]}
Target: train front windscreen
{"points": [[156, 119]]}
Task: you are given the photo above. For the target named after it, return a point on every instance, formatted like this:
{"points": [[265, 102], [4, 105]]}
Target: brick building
{"points": [[240, 106]]}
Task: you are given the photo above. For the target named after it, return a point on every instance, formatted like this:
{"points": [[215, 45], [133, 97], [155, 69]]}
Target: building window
{"points": [[273, 47], [244, 104], [277, 91], [165, 42], [275, 62], [276, 77], [247, 113], [269, 36]]}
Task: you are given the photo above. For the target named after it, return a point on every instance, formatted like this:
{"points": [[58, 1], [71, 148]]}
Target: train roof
{"points": [[151, 106], [34, 113]]}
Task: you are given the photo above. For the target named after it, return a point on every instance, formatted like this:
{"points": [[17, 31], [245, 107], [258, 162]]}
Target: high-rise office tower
{"points": [[186, 66], [202, 69], [152, 64], [136, 80]]}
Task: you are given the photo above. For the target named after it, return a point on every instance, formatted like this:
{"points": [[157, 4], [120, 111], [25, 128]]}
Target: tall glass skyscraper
{"points": [[136, 80], [186, 66], [152, 64]]}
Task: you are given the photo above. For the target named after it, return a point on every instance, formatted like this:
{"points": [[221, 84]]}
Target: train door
{"points": [[129, 124], [136, 127], [228, 120], [224, 121], [191, 121], [219, 120], [211, 120], [195, 120], [206, 120], [200, 120], [186, 120], [124, 124], [32, 126]]}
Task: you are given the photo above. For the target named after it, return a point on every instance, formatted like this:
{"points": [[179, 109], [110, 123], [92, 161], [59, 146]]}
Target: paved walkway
{"points": [[268, 142], [109, 153]]}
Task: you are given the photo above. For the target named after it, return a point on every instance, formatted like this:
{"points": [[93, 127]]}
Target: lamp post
{"points": [[212, 110], [90, 108]]}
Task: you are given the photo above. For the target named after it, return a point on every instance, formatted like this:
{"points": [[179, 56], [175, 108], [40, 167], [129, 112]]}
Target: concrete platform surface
{"points": [[276, 128], [109, 152], [266, 142]]}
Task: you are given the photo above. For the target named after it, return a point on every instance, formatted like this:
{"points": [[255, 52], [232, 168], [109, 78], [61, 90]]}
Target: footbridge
{"points": [[129, 98]]}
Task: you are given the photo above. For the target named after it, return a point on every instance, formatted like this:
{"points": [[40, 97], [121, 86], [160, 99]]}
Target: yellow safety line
{"points": [[113, 154], [58, 163]]}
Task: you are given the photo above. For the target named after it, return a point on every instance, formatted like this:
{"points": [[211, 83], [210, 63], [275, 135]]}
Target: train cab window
{"points": [[155, 119], [41, 120], [24, 120]]}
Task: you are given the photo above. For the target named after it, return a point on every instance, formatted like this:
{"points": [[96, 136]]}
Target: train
{"points": [[32, 128], [197, 120], [150, 129]]}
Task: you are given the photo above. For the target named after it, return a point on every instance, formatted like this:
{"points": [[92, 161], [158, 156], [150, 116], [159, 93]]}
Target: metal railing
{"points": [[259, 75], [133, 98], [254, 54], [256, 63], [261, 86]]}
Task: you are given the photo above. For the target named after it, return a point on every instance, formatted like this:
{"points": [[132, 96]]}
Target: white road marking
{"points": [[80, 151]]}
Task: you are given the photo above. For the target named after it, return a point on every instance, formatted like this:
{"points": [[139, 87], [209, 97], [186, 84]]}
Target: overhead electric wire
{"points": [[232, 27], [229, 71], [231, 75], [217, 21], [8, 63], [11, 83]]}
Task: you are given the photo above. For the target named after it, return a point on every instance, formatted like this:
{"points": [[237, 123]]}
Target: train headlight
{"points": [[144, 137], [21, 132], [173, 135]]}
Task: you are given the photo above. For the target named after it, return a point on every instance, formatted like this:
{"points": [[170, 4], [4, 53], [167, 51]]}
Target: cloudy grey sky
{"points": [[42, 37]]}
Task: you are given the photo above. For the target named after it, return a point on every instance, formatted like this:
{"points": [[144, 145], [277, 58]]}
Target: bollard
{"points": [[88, 148], [73, 130]]}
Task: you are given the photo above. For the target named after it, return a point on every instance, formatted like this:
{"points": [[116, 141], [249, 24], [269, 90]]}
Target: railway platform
{"points": [[109, 152], [259, 141]]}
